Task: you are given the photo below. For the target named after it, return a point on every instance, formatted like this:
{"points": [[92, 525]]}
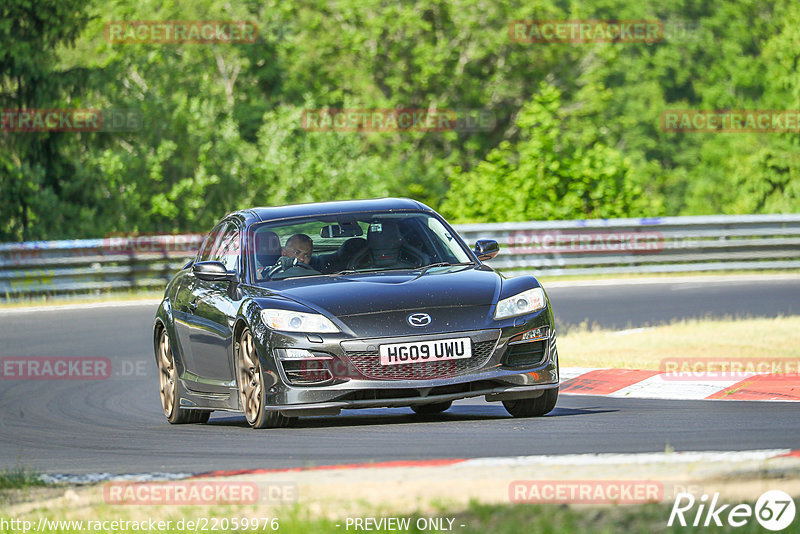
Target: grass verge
{"points": [[645, 348], [19, 478]]}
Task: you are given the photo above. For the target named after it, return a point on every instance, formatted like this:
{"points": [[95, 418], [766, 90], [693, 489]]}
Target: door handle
{"points": [[192, 306]]}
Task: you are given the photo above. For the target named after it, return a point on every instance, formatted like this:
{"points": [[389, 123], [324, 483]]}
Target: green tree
{"points": [[221, 127], [42, 188], [559, 169]]}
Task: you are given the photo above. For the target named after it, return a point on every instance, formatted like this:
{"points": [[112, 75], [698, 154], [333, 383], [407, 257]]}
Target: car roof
{"points": [[332, 208]]}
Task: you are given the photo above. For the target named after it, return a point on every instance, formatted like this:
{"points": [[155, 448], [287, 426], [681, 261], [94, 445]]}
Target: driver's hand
{"points": [[284, 262]]}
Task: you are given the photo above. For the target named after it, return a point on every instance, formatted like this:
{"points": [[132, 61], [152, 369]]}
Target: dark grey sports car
{"points": [[305, 310]]}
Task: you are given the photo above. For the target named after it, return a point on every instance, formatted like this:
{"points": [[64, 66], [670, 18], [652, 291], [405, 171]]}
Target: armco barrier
{"points": [[551, 248], [647, 245], [86, 265]]}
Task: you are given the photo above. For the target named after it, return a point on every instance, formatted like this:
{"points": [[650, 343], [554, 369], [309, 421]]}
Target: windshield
{"points": [[357, 242]]}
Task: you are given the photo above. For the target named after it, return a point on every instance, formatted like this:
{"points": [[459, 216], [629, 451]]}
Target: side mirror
{"points": [[486, 249], [213, 271]]}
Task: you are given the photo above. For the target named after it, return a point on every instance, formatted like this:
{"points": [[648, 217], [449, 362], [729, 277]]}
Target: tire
{"points": [[533, 407], [169, 386], [250, 381], [435, 407]]}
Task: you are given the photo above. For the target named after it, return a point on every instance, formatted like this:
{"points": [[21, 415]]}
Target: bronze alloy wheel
{"points": [[169, 386], [251, 386], [166, 375], [249, 378]]}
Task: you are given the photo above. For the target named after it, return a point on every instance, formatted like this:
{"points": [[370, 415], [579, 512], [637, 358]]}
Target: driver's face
{"points": [[300, 251]]}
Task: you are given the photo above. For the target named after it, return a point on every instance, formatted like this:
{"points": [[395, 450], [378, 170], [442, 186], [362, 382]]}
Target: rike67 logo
{"points": [[774, 510]]}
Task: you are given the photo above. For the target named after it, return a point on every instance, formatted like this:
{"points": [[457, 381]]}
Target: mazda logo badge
{"points": [[419, 319]]}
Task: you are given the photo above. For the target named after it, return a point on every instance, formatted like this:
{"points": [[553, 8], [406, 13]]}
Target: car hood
{"points": [[377, 292]]}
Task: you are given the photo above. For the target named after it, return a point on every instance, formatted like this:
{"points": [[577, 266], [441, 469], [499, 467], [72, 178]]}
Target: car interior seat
{"points": [[268, 250], [386, 248]]}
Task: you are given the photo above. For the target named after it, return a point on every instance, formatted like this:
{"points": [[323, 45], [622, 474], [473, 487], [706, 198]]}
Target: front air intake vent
{"points": [[523, 355], [307, 372]]}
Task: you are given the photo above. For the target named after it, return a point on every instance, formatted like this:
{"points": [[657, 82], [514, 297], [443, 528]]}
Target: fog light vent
{"points": [[523, 355]]}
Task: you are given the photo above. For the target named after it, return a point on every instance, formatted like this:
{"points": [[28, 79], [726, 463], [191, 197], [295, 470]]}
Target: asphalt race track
{"points": [[116, 425], [639, 304]]}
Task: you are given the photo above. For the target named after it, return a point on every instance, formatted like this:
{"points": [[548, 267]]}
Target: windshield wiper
{"points": [[442, 264], [346, 271]]}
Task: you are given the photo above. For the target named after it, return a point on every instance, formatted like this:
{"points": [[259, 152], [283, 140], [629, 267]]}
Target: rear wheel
{"points": [[435, 407], [533, 407], [252, 393], [170, 387]]}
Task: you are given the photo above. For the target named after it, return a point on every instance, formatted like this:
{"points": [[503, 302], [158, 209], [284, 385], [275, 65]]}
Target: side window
{"points": [[209, 243], [227, 251]]}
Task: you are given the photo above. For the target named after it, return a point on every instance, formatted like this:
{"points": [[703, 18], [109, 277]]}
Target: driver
{"points": [[299, 246], [295, 259]]}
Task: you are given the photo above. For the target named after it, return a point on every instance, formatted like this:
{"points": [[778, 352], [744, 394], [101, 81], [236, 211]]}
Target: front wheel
{"points": [[170, 386], [533, 407], [252, 393]]}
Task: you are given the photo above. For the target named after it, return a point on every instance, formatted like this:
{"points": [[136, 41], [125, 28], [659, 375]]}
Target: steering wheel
{"points": [[287, 267]]}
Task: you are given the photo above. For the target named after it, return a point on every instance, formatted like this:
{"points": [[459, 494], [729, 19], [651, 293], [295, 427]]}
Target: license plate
{"points": [[426, 351]]}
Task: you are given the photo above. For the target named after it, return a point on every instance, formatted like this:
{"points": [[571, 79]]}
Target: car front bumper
{"points": [[351, 385]]}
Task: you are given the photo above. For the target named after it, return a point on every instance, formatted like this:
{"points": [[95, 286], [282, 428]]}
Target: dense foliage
{"points": [[576, 131]]}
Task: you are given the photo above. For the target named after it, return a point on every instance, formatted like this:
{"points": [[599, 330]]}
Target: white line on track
{"points": [[91, 478], [641, 458], [550, 460]]}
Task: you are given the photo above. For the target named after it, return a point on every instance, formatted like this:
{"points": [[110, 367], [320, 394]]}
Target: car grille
{"points": [[368, 363], [526, 354]]}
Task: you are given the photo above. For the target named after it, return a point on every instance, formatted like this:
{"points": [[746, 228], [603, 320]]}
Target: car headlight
{"points": [[292, 321], [526, 302]]}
